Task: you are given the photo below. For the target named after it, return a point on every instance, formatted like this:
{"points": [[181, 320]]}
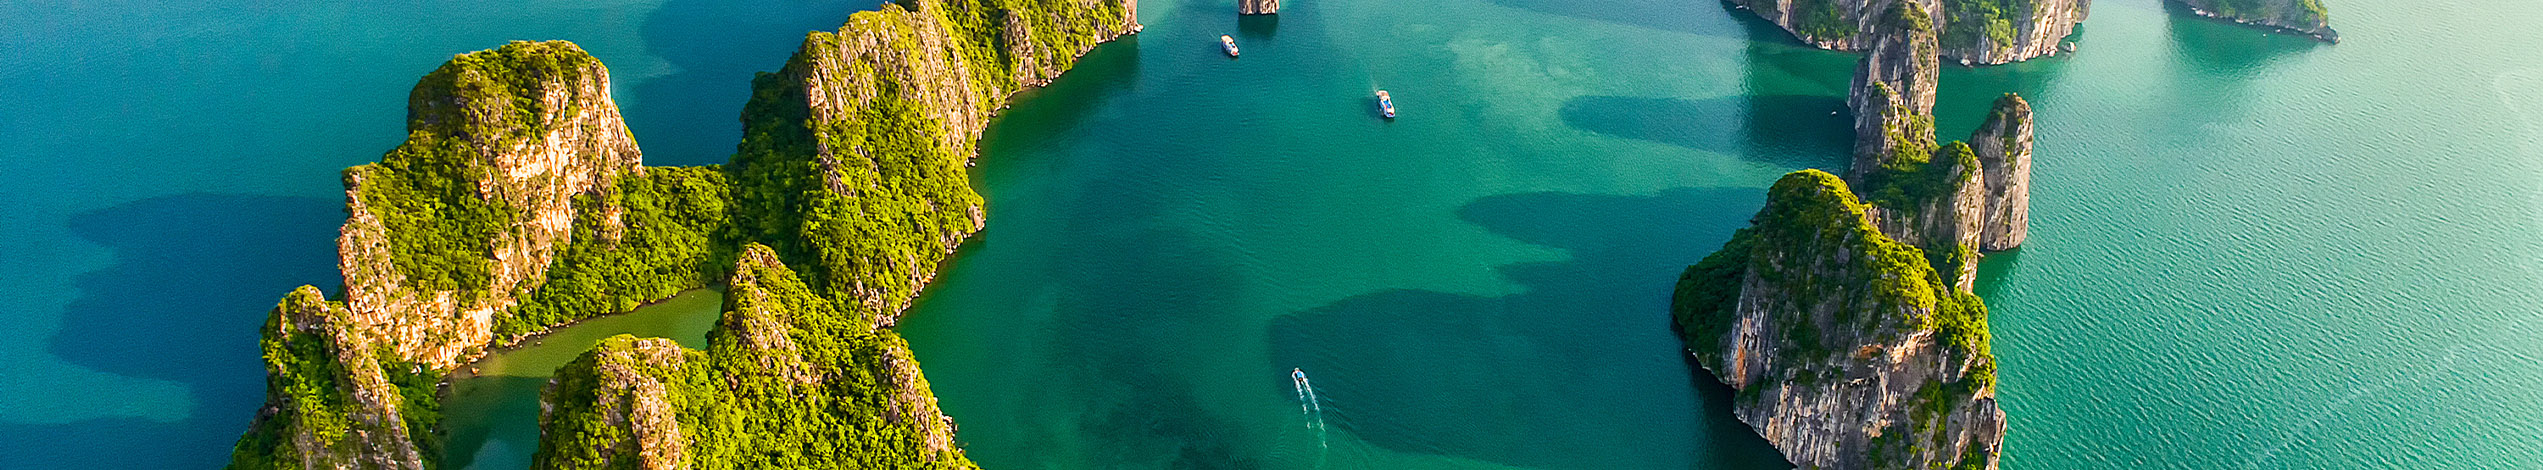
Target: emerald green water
{"points": [[2247, 251], [492, 410]]}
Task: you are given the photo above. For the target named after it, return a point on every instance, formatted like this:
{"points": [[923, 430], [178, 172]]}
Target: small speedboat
{"points": [[1295, 374], [1386, 104], [1228, 43]]}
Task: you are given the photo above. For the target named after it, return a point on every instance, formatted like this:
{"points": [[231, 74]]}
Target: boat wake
{"points": [[1311, 413]]}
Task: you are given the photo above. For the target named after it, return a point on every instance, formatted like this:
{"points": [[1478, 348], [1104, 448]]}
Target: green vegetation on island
{"points": [[1849, 300], [787, 381], [1973, 24], [673, 235], [2308, 17], [1973, 32], [440, 224], [2291, 11], [1833, 292], [517, 204], [331, 402], [1822, 19], [1810, 214], [865, 188], [440, 232]]}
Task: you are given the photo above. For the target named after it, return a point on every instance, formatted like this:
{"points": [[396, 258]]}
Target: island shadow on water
{"points": [[1800, 131], [1127, 327], [2222, 49], [1672, 16], [1581, 370], [1261, 27], [193, 279]]}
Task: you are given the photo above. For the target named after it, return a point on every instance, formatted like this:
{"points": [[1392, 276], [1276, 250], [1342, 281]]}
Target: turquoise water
{"points": [[2247, 251]]}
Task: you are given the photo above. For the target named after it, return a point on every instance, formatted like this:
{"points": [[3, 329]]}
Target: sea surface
{"points": [[2247, 250]]}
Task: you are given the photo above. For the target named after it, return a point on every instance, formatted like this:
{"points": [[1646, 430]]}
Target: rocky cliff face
{"points": [[1846, 348], [1945, 212], [2003, 149], [1974, 32], [1938, 197], [1257, 7], [1893, 89], [447, 230], [1845, 316], [2307, 17], [328, 405]]}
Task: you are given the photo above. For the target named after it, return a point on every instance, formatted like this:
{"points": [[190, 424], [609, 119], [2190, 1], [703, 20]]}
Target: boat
{"points": [[1228, 43], [1295, 374], [1386, 104]]}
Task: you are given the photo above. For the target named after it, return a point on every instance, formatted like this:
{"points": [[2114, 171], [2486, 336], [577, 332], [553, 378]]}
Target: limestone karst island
{"points": [[1273, 235]]}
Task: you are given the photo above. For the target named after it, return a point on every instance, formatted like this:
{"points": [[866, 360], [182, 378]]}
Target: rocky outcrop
{"points": [[852, 170], [1940, 206], [1972, 32], [912, 402], [444, 233], [2003, 149], [1893, 89], [787, 380], [328, 403], [768, 304], [1938, 197], [2307, 17], [1846, 349], [631, 417], [1257, 7], [1845, 316], [847, 110], [448, 229]]}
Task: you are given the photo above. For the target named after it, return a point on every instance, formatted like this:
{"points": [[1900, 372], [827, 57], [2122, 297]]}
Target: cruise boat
{"points": [[1228, 43], [1385, 104]]}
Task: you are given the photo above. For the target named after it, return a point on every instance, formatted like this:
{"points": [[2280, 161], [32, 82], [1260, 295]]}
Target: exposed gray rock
{"points": [[1837, 341], [569, 141], [1847, 322], [1893, 90], [1257, 7], [2003, 146]]}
